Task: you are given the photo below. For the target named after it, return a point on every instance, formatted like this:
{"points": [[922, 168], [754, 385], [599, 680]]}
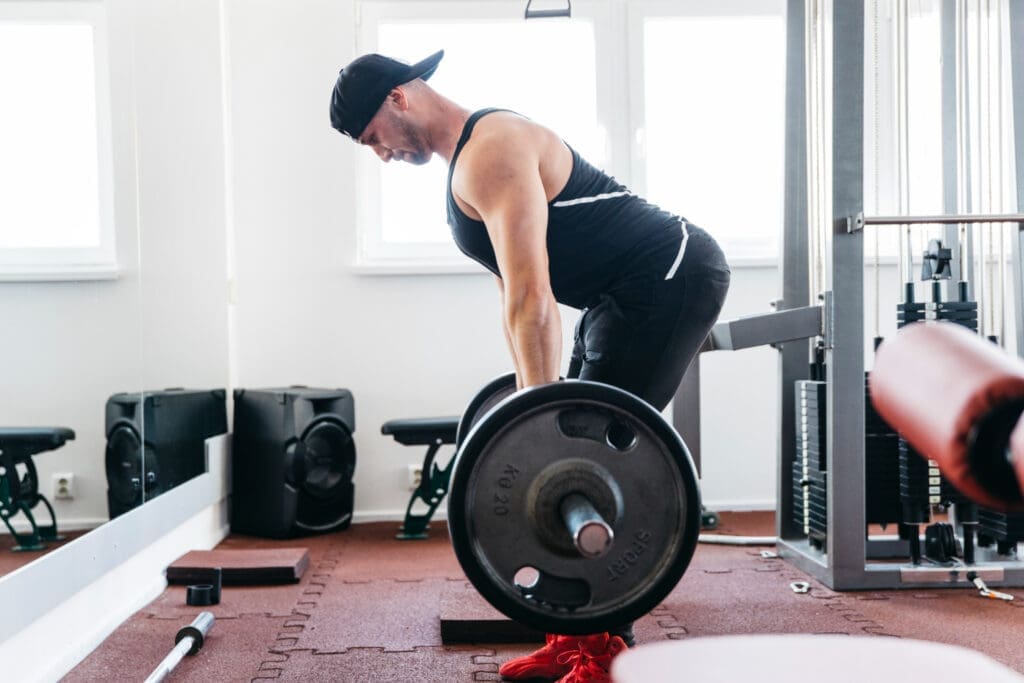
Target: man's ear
{"points": [[399, 99]]}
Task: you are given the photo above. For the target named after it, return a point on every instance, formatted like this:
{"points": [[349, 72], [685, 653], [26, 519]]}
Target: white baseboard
{"points": [[398, 516], [741, 505]]}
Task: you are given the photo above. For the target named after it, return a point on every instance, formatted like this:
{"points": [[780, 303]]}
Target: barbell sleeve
{"points": [[188, 641], [590, 533]]}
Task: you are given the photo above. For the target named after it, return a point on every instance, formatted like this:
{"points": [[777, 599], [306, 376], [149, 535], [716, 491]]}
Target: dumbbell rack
{"points": [[844, 557]]}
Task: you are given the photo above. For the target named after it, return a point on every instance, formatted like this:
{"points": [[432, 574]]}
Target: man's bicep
{"points": [[519, 237]]}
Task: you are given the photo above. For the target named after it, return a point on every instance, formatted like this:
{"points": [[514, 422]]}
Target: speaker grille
{"points": [[124, 466], [327, 464]]}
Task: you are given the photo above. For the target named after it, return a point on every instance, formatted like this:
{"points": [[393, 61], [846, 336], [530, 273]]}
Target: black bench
{"points": [[432, 432], [20, 492]]}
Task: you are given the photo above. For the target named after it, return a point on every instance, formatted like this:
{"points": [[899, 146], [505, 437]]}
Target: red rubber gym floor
{"points": [[367, 609]]}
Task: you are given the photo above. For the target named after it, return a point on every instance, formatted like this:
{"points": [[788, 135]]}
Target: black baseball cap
{"points": [[363, 85]]}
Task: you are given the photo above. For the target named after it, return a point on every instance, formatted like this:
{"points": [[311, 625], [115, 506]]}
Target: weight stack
{"points": [[922, 486], [921, 483], [1005, 530], [963, 313], [909, 312], [293, 459], [817, 508], [949, 494], [810, 453], [916, 476], [882, 465], [810, 429], [914, 471], [800, 483]]}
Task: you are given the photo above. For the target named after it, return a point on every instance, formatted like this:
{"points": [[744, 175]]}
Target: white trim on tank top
{"points": [[682, 250], [589, 200]]}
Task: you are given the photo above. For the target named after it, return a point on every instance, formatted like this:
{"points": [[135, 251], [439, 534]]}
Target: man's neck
{"points": [[447, 128]]}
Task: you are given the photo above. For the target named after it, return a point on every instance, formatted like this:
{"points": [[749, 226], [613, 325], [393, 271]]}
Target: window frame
{"points": [[73, 263]]}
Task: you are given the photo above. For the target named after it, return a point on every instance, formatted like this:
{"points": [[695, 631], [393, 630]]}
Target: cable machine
{"points": [[838, 469]]}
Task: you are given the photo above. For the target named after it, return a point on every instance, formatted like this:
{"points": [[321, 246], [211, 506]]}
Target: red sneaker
{"points": [[591, 664], [547, 662]]}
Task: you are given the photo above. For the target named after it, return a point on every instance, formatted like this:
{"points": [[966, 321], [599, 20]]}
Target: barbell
{"points": [[573, 507]]}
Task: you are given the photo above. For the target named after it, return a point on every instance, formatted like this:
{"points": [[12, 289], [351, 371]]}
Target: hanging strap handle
{"points": [[545, 13]]}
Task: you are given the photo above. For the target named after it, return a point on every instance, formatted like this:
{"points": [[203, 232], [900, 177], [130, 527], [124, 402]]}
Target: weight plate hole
{"points": [[620, 436], [527, 577]]}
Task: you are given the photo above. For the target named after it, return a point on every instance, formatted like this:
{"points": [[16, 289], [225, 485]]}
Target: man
{"points": [[552, 229]]}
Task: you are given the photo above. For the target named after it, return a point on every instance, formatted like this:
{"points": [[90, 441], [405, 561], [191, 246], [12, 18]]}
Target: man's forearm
{"points": [[511, 349], [534, 329], [508, 335]]}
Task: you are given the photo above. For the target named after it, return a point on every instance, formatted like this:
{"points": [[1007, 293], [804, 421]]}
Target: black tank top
{"points": [[598, 232]]}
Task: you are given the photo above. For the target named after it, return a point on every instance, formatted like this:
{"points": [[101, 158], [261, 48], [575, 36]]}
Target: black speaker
{"points": [[168, 429], [292, 461]]}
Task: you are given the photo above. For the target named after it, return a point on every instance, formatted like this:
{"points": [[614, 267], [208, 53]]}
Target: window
{"points": [[402, 217], [56, 215], [906, 110], [924, 115], [704, 143], [711, 114]]}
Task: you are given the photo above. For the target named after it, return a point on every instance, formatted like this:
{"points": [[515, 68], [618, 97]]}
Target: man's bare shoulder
{"points": [[507, 151], [500, 133], [502, 145]]}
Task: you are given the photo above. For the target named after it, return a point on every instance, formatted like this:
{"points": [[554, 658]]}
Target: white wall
{"points": [[739, 406], [181, 194]]}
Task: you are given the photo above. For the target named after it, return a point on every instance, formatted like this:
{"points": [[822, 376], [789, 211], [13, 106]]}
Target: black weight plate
{"points": [[651, 500], [489, 396]]}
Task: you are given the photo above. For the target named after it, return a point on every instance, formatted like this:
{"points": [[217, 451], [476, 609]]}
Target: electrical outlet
{"points": [[63, 486], [415, 476]]}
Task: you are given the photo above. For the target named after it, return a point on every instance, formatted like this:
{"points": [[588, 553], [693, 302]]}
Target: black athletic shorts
{"points": [[643, 335]]}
